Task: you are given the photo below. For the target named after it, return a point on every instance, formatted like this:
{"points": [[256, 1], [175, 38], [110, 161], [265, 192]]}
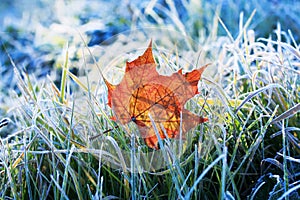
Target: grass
{"points": [[66, 147]]}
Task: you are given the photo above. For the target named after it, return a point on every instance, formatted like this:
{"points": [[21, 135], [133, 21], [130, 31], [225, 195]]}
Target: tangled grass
{"points": [[65, 146]]}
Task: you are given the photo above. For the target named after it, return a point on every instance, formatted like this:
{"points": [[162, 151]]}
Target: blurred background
{"points": [[34, 32]]}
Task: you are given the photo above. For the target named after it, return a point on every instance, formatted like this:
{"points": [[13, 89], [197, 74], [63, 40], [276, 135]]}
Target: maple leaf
{"points": [[143, 93]]}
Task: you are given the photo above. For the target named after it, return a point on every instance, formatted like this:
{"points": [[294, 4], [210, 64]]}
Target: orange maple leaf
{"points": [[143, 92]]}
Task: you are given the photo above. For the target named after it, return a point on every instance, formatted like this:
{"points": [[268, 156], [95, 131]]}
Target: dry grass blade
{"points": [[285, 45], [287, 114], [256, 92], [290, 158], [292, 49]]}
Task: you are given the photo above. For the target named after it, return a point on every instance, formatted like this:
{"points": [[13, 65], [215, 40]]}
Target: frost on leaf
{"points": [[143, 93]]}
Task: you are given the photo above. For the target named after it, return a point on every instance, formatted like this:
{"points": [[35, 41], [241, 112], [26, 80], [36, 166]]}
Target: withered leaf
{"points": [[143, 92]]}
